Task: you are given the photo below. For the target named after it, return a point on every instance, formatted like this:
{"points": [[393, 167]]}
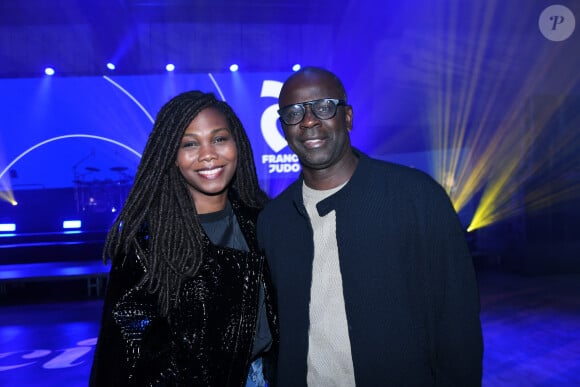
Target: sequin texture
{"points": [[207, 338]]}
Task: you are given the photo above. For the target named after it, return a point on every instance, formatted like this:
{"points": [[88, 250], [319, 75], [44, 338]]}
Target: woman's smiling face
{"points": [[208, 156]]}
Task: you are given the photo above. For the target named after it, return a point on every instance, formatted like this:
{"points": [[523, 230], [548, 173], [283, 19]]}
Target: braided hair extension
{"points": [[160, 203]]}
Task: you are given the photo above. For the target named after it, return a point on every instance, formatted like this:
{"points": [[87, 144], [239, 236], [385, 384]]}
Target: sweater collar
{"points": [[328, 204]]}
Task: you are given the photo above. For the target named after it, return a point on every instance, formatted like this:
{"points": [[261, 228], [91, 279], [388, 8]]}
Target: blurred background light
{"points": [[7, 227]]}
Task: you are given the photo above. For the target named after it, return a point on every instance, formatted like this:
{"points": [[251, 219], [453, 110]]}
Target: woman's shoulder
{"points": [[242, 210]]}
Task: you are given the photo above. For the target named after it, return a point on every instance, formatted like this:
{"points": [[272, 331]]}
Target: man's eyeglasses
{"points": [[323, 109]]}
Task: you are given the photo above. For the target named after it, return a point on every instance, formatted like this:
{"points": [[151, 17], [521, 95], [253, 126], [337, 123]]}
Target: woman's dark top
{"points": [[207, 339]]}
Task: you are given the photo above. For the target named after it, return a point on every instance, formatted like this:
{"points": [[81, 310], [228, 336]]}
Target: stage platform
{"points": [[44, 258]]}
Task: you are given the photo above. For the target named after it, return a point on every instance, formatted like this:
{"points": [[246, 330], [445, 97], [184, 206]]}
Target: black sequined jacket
{"points": [[206, 340]]}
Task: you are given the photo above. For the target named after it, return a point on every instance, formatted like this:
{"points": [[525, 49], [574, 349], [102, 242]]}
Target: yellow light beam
{"points": [[498, 153]]}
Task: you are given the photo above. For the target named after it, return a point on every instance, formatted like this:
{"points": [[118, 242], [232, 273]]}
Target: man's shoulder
{"points": [[281, 202], [397, 179]]}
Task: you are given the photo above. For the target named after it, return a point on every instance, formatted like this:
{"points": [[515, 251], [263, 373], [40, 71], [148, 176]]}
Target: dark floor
{"points": [[531, 331], [531, 328]]}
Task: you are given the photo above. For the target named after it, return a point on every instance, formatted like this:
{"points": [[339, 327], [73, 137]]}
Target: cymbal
{"points": [[92, 169], [118, 169]]}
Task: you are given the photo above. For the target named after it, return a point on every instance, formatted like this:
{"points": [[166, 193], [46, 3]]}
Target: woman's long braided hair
{"points": [[160, 203]]}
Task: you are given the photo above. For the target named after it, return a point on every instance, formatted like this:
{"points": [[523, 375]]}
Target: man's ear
{"points": [[348, 117]]}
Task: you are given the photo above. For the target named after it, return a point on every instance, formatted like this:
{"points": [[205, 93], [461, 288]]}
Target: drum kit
{"points": [[98, 192]]}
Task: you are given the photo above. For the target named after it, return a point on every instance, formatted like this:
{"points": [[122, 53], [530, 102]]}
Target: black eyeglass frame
{"points": [[335, 101]]}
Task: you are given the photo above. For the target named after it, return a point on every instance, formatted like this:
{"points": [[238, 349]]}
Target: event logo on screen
{"points": [[276, 162]]}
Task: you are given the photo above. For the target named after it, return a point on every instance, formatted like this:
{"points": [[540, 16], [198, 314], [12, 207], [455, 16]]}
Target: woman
{"points": [[188, 298]]}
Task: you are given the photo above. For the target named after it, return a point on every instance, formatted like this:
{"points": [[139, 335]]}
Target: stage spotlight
{"points": [[69, 224], [234, 67], [7, 227], [296, 67], [111, 66], [49, 71], [170, 67]]}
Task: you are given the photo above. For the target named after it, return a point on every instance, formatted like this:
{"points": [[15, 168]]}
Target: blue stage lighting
{"points": [[111, 66], [170, 67], [234, 67], [296, 67], [49, 71]]}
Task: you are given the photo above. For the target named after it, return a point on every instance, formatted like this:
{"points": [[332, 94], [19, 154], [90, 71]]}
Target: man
{"points": [[373, 277]]}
